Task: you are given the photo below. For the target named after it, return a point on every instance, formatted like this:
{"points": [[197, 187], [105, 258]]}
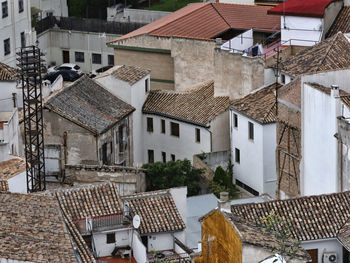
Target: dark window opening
{"points": [[7, 48], [121, 139], [150, 156], [104, 153], [162, 123], [237, 155], [246, 187], [110, 60], [198, 135], [173, 157], [20, 6], [96, 58], [235, 120], [79, 56], [251, 130], [23, 39], [174, 129], [150, 124], [110, 238], [5, 10], [146, 85], [164, 157]]}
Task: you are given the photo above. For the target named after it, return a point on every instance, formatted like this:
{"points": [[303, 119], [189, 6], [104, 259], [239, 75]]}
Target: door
{"points": [[52, 159], [65, 55], [313, 254]]}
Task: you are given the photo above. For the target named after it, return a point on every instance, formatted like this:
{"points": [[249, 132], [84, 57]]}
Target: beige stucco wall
{"points": [[220, 128], [236, 75]]}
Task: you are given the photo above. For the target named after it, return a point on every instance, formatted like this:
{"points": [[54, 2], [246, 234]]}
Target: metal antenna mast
{"points": [[30, 63]]}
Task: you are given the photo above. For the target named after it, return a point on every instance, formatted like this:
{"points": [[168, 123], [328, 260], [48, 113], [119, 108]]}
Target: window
{"points": [[110, 238], [237, 155], [235, 120], [104, 153], [23, 39], [79, 56], [174, 129], [198, 135], [121, 139], [150, 156], [150, 124], [110, 60], [283, 78], [20, 6], [7, 49], [250, 130], [4, 9], [96, 58], [172, 157], [146, 85], [162, 124], [164, 157]]}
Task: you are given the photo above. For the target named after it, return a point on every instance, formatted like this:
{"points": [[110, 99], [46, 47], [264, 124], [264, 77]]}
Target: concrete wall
{"points": [[54, 41], [220, 132], [122, 238], [11, 27], [56, 7], [10, 137], [183, 147], [128, 182], [331, 12], [18, 183], [134, 15], [161, 241], [327, 245], [7, 89], [236, 75]]}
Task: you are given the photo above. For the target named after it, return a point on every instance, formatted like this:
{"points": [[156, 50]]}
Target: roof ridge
{"points": [[147, 194], [212, 4], [329, 48], [172, 21]]}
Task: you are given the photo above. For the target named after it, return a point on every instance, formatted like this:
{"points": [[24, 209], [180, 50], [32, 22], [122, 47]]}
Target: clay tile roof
{"points": [[89, 105], [157, 211], [197, 105], [33, 234], [130, 74], [330, 54], [260, 105], [11, 168], [207, 20], [341, 23], [4, 187], [311, 217], [8, 73], [309, 8], [90, 201]]}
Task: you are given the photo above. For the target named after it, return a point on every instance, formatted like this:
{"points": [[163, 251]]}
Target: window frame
{"points": [[7, 52], [110, 238], [20, 6], [250, 131], [94, 56], [150, 127], [162, 126], [4, 6], [237, 155], [173, 125], [173, 158], [164, 157], [150, 154], [197, 135], [235, 120], [77, 59]]}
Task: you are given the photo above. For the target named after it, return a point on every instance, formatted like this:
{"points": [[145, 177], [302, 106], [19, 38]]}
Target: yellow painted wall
{"points": [[220, 242]]}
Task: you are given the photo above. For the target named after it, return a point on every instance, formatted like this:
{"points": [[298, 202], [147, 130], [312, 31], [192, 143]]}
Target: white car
{"points": [[65, 66]]}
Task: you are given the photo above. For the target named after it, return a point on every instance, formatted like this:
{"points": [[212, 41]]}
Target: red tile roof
{"points": [[207, 20], [309, 8]]}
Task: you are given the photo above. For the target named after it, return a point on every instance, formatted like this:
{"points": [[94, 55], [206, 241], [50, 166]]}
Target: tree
{"points": [[222, 182], [173, 174], [287, 247]]}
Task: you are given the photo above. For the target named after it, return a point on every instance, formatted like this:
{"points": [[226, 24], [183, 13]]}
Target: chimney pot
{"points": [[335, 91], [224, 196]]}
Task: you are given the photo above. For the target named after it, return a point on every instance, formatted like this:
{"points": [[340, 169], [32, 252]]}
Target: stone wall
{"points": [[129, 180]]}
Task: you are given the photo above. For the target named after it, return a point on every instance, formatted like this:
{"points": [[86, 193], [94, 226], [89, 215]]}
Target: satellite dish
{"points": [[136, 221]]}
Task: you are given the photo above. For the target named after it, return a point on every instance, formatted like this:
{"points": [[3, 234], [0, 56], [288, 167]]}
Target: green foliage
{"points": [[222, 182], [287, 247], [173, 174], [201, 156], [79, 8], [171, 5]]}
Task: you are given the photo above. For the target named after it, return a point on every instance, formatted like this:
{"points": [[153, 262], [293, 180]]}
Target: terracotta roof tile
{"points": [[312, 217], [341, 23], [207, 20], [197, 105], [157, 211], [89, 105], [260, 105], [309, 8], [11, 168], [330, 54], [130, 74], [8, 73], [32, 229]]}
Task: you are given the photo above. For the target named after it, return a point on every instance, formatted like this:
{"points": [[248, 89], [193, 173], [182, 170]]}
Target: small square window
{"points": [[150, 124], [198, 135], [237, 155], [7, 48], [110, 60], [164, 157], [79, 56], [110, 238], [150, 156], [235, 120], [174, 129], [146, 85], [23, 39], [96, 58], [162, 123], [250, 130], [172, 157], [5, 10], [20, 6]]}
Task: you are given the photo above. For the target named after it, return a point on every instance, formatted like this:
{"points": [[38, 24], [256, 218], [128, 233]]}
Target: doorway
{"points": [[65, 56]]}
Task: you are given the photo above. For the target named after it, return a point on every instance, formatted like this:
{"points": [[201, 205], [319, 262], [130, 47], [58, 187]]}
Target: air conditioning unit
{"points": [[330, 257]]}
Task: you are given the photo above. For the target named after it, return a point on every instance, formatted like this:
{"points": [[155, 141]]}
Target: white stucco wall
{"points": [[183, 147], [11, 142], [138, 249], [240, 42], [7, 88], [18, 183], [11, 27], [54, 41], [269, 158], [122, 238], [57, 7], [326, 245], [163, 241], [301, 31]]}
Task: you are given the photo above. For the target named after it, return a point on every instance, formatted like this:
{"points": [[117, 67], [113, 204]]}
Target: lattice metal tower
{"points": [[30, 63]]}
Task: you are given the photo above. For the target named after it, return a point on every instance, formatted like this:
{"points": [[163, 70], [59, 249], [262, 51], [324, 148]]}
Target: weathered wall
{"points": [[344, 162], [331, 12], [129, 182], [220, 132], [220, 242], [134, 15], [198, 163], [236, 75]]}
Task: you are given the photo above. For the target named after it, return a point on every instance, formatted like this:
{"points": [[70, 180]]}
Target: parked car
{"points": [[94, 73], [67, 75], [65, 66]]}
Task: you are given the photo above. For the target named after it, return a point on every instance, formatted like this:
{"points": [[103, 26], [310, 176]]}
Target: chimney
{"points": [[335, 91], [224, 204], [335, 98]]}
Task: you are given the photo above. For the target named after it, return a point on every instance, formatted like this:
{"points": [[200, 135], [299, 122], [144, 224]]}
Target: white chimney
{"points": [[224, 204], [335, 97], [335, 91]]}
